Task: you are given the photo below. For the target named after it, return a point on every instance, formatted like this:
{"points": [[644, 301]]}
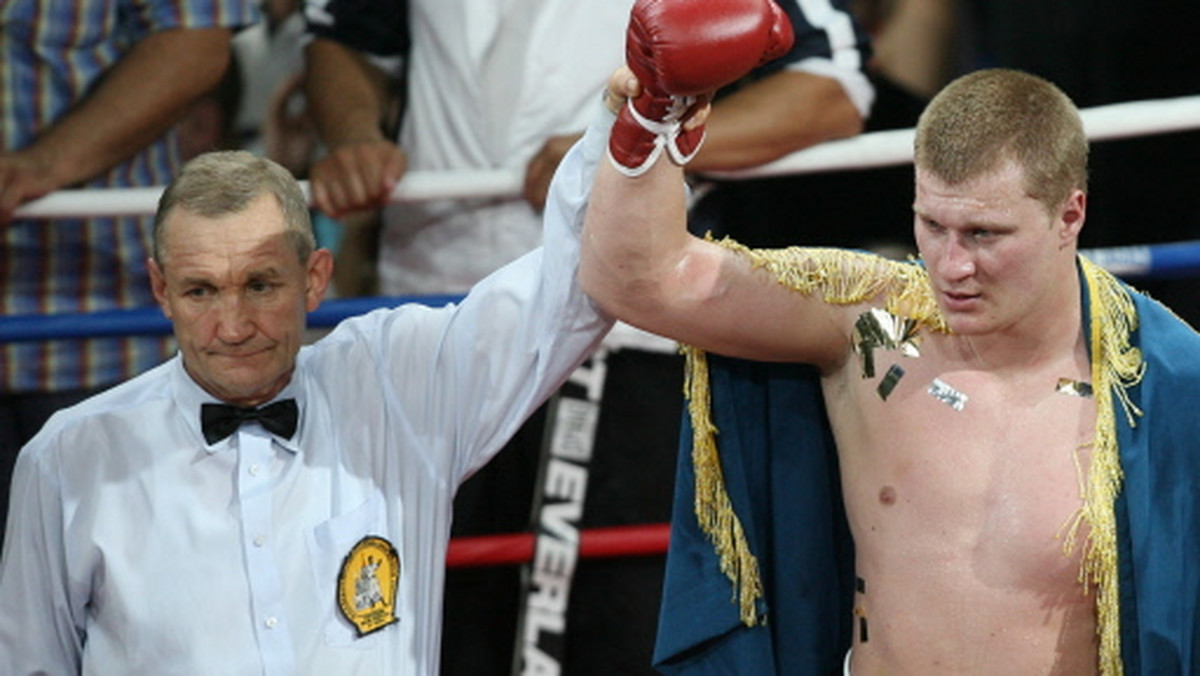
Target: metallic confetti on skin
{"points": [[1074, 387], [866, 352], [878, 328], [948, 395], [893, 376]]}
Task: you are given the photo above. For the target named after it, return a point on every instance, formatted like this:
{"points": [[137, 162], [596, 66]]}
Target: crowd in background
{"points": [[916, 46], [526, 107]]}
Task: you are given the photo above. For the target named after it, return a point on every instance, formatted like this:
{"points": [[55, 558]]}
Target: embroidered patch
{"points": [[367, 584]]}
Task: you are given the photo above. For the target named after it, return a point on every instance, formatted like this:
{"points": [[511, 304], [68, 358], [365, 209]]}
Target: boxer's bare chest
{"points": [[941, 451], [962, 484]]}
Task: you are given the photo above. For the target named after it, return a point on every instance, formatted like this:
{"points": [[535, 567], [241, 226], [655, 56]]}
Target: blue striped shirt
{"points": [[52, 53]]}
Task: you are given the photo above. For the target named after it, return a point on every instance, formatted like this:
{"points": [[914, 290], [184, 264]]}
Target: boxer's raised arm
{"points": [[639, 262]]}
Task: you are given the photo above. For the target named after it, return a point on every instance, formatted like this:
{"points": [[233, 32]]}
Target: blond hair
{"points": [[986, 117]]}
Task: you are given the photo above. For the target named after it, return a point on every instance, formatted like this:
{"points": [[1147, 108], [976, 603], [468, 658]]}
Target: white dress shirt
{"points": [[135, 548]]}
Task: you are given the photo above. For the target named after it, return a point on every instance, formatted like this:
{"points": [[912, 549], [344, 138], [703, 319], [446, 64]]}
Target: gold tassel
{"points": [[714, 511], [1116, 366], [848, 277], [841, 277]]}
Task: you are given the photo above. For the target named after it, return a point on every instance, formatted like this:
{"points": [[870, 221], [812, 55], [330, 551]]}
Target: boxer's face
{"points": [[995, 255]]}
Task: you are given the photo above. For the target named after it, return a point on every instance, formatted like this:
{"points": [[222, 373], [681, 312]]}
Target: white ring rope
{"points": [[893, 147], [876, 149]]}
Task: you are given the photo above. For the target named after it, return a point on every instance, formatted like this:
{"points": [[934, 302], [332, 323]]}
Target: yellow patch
{"points": [[367, 584]]}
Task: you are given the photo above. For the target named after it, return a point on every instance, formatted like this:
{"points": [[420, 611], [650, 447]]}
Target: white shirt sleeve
{"points": [[466, 376], [41, 611]]}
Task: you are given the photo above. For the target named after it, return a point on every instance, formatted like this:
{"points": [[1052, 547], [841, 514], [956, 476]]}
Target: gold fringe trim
{"points": [[1116, 366], [846, 278], [842, 278], [714, 511]]}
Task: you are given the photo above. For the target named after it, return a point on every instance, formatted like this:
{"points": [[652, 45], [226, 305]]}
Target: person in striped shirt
{"points": [[89, 93]]}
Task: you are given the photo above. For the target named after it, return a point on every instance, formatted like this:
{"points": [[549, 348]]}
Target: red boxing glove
{"points": [[681, 51]]}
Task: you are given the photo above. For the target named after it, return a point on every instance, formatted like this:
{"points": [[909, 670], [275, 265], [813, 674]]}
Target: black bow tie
{"points": [[220, 420]]}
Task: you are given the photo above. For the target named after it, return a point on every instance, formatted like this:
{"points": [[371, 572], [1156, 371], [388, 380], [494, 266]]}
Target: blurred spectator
{"points": [[827, 87], [91, 91], [272, 119], [487, 84], [817, 92], [210, 122], [912, 42], [269, 117]]}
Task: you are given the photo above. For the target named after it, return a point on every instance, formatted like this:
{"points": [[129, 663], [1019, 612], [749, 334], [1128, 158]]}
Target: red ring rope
{"points": [[594, 543]]}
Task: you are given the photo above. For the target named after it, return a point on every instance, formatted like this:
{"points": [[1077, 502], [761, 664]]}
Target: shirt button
{"points": [[260, 540], [271, 622], [254, 470]]}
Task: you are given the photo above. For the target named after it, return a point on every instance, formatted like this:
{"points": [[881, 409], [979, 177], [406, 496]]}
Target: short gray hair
{"points": [[226, 182]]}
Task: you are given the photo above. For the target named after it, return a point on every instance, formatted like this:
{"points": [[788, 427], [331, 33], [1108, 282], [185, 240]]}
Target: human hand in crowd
{"points": [[541, 168], [23, 178], [349, 99], [356, 175]]}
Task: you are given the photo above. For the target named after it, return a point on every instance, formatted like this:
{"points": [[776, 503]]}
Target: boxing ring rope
{"points": [[865, 151], [894, 147], [594, 543], [871, 150]]}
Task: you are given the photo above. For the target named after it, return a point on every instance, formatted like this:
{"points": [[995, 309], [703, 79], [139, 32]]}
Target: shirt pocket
{"points": [[329, 543]]}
